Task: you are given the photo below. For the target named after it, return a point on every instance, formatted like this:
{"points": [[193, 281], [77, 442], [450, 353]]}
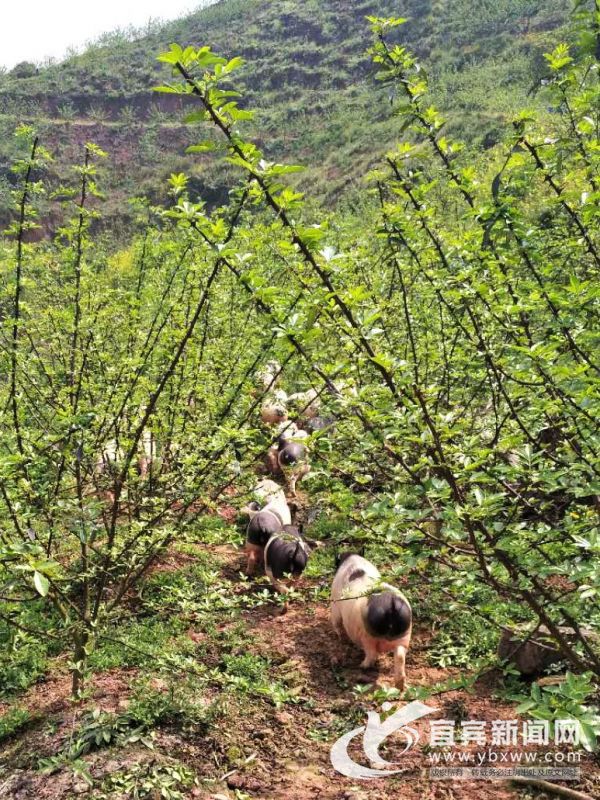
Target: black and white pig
{"points": [[264, 521], [286, 553], [374, 615]]}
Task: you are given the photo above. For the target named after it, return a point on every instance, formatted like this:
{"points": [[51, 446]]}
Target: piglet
{"points": [[268, 376], [274, 408], [307, 404], [265, 492], [374, 615], [265, 521], [286, 553], [292, 459]]}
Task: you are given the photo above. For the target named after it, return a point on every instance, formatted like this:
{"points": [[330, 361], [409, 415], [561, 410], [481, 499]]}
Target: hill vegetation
{"points": [[306, 74]]}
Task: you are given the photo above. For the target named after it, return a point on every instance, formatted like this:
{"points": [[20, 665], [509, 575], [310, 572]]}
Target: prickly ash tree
{"points": [[478, 373]]}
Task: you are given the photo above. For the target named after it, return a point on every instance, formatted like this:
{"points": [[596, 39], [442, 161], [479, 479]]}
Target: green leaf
{"points": [[234, 63], [168, 89], [41, 583], [201, 147], [522, 708]]}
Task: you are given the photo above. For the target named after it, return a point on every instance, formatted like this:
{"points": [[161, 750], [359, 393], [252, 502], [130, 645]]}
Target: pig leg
{"points": [[297, 476], [143, 466], [399, 667], [370, 659], [291, 482], [338, 626], [272, 463], [253, 554], [337, 623], [304, 471], [282, 590], [279, 587]]}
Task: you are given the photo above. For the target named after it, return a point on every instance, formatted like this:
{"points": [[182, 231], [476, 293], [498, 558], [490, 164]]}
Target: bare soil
{"points": [[278, 754]]}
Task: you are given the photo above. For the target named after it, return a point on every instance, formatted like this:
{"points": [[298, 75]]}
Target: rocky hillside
{"points": [[307, 73]]}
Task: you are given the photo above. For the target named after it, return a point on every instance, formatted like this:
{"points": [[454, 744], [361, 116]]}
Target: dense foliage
{"points": [[451, 327]]}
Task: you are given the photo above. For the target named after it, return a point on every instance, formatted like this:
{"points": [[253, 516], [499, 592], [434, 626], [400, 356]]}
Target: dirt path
{"points": [[258, 748]]}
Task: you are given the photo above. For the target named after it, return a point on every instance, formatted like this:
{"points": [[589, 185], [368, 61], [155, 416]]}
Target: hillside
{"points": [[307, 73]]}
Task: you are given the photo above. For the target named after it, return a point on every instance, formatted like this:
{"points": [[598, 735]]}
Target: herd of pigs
{"points": [[374, 615]]}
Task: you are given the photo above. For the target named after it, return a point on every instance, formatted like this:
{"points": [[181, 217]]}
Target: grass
{"points": [[195, 684], [13, 722], [175, 682]]}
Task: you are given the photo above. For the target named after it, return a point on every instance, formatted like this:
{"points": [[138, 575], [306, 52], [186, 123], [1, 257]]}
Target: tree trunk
{"points": [[81, 650]]}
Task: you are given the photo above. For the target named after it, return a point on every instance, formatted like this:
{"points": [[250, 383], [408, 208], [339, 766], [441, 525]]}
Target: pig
{"points": [[274, 408], [292, 460], [265, 492], [319, 423], [264, 522], [266, 377], [286, 553], [306, 404], [148, 454], [374, 615], [111, 456]]}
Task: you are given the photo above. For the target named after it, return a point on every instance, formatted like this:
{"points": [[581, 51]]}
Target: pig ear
{"points": [[313, 544]]}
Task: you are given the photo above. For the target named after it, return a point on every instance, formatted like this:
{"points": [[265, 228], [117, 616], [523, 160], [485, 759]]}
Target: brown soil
{"points": [[263, 752]]}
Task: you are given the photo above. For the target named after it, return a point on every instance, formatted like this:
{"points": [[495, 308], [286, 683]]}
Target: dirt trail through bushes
{"points": [[257, 748]]}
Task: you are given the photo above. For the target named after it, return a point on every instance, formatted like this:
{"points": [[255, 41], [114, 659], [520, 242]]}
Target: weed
{"points": [[13, 722], [572, 698], [169, 781]]}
